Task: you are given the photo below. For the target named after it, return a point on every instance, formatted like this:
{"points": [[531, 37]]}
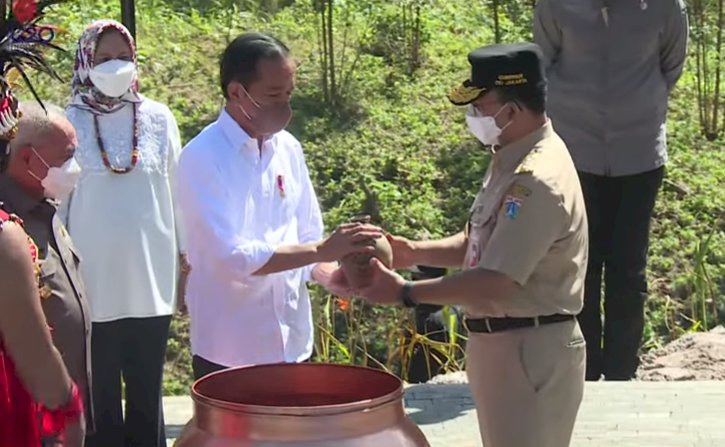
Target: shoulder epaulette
{"points": [[528, 163]]}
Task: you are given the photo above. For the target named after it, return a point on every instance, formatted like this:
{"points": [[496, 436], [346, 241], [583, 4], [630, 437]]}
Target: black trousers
{"points": [[202, 367], [619, 211], [131, 350], [429, 321]]}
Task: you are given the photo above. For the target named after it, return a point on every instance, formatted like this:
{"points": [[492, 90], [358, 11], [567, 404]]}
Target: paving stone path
{"points": [[631, 414]]}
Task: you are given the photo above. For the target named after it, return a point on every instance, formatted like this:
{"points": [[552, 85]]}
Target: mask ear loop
{"points": [[510, 104], [256, 104], [32, 174], [246, 115], [495, 115], [39, 157]]}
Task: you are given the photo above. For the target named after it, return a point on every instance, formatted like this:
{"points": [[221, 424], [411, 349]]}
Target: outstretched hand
{"points": [[349, 238], [385, 285], [403, 251], [338, 284], [332, 278]]}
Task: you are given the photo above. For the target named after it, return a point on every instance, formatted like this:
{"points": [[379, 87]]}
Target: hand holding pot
{"points": [[384, 286], [356, 266], [332, 278], [403, 252], [349, 238]]}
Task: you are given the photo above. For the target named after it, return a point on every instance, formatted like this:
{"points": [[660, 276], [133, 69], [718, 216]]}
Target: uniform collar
{"points": [[508, 157], [18, 202]]}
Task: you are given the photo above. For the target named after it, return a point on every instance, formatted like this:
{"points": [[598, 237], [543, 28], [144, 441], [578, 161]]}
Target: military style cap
{"points": [[495, 66]]}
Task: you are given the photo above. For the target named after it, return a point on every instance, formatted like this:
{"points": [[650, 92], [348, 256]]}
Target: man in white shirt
{"points": [[253, 223]]}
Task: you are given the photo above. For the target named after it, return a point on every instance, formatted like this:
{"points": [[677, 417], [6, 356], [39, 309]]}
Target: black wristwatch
{"points": [[406, 295]]}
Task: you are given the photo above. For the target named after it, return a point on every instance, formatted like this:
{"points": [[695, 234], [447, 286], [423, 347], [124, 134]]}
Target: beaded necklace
{"points": [[134, 145]]}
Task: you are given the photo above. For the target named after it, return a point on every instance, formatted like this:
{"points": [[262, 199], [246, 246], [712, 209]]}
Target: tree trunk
{"points": [[496, 24], [322, 39], [331, 51], [718, 49]]}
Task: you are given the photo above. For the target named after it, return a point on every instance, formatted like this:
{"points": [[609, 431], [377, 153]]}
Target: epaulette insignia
{"points": [[528, 163], [520, 191]]}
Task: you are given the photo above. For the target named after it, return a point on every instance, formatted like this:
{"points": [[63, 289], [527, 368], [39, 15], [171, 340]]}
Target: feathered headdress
{"points": [[22, 44]]}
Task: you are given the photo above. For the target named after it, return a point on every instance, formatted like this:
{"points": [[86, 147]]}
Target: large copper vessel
{"points": [[300, 405]]}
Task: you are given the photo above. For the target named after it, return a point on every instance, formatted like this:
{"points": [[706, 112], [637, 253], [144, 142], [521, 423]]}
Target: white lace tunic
{"points": [[124, 225]]}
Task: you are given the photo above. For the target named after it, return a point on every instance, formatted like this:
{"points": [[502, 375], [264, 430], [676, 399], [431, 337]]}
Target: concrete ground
{"points": [[621, 414]]}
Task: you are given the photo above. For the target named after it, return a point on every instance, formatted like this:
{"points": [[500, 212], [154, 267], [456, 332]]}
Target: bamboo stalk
{"points": [[331, 51]]}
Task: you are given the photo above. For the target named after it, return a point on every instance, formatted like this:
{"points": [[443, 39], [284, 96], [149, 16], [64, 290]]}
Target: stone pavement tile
{"points": [[619, 414]]}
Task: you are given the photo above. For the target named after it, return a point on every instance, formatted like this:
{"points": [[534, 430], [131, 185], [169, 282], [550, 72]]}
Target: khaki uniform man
{"points": [[523, 253], [62, 291]]}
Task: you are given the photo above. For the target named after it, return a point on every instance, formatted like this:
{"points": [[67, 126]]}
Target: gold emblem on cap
{"points": [[462, 94]]}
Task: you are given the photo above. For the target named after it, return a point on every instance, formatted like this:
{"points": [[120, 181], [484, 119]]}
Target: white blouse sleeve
{"points": [[173, 153]]}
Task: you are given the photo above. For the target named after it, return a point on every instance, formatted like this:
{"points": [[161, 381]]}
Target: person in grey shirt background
{"points": [[611, 66]]}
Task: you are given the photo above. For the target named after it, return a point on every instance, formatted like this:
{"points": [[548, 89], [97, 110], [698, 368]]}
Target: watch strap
{"points": [[406, 295]]}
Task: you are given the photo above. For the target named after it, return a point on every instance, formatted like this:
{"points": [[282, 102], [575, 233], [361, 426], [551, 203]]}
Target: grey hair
{"points": [[35, 122]]}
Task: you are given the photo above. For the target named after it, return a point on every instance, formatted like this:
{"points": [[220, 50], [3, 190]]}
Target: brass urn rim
{"points": [[392, 393]]}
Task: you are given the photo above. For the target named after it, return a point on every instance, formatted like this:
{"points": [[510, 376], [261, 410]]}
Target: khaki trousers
{"points": [[527, 384]]}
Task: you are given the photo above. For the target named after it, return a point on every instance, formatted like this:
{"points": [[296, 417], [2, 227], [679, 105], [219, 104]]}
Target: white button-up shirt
{"points": [[238, 204]]}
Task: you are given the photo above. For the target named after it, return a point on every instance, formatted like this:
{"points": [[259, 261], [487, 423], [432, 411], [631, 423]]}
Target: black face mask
{"points": [[268, 119]]}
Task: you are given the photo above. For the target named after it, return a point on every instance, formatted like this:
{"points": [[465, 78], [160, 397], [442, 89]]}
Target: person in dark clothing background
{"points": [[430, 322], [611, 67]]}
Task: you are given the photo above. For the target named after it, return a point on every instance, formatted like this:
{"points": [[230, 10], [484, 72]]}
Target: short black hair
{"points": [[532, 98], [240, 58]]}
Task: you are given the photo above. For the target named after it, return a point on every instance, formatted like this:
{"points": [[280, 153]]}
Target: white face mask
{"points": [[59, 182], [113, 78], [484, 127]]}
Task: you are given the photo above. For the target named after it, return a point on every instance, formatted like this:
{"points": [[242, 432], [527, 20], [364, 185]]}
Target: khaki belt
{"points": [[491, 325]]}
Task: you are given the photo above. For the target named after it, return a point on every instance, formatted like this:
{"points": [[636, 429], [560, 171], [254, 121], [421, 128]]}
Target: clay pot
{"points": [[357, 266], [300, 405]]}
